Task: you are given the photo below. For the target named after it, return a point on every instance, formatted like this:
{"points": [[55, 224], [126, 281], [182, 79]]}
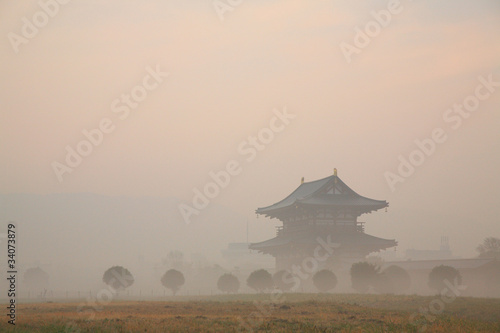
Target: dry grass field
{"points": [[289, 313]]}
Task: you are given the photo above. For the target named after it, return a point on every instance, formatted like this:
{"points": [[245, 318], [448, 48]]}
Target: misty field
{"points": [[288, 313]]}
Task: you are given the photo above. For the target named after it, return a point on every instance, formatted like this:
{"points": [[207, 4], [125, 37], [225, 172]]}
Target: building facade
{"points": [[319, 213]]}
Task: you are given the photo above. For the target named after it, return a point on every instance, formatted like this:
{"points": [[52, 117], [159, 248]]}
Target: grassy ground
{"points": [[264, 313]]}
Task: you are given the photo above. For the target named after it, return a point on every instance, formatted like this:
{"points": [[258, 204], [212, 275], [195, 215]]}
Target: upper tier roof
{"points": [[327, 192]]}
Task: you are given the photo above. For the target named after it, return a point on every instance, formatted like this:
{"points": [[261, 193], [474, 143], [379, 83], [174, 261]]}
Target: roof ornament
{"points": [[302, 180], [335, 172]]}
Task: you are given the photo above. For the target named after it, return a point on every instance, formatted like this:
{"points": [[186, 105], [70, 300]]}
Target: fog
{"points": [[232, 108]]}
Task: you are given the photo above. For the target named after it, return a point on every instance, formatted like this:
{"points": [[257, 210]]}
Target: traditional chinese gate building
{"points": [[321, 212]]}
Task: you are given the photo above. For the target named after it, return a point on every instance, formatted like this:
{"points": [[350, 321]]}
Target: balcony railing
{"points": [[341, 226]]}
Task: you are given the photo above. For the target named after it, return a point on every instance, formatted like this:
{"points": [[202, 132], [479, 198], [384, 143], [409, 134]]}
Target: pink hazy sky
{"points": [[225, 79]]}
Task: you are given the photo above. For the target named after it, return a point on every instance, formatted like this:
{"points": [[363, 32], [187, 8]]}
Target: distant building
{"points": [[444, 252], [322, 209], [428, 265], [240, 256], [480, 276]]}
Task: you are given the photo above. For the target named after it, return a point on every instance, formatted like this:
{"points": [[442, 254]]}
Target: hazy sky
{"points": [[225, 79]]}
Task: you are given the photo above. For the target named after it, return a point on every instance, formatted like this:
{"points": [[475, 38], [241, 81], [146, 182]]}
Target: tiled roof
{"points": [[330, 192]]}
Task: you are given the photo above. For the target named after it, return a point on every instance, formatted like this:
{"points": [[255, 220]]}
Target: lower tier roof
{"points": [[350, 240]]}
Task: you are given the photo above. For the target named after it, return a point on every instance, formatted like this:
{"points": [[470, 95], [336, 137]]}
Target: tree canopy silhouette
{"points": [[173, 280], [363, 276], [260, 280], [118, 278], [490, 248], [228, 283], [324, 280], [441, 276], [36, 278], [393, 280]]}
